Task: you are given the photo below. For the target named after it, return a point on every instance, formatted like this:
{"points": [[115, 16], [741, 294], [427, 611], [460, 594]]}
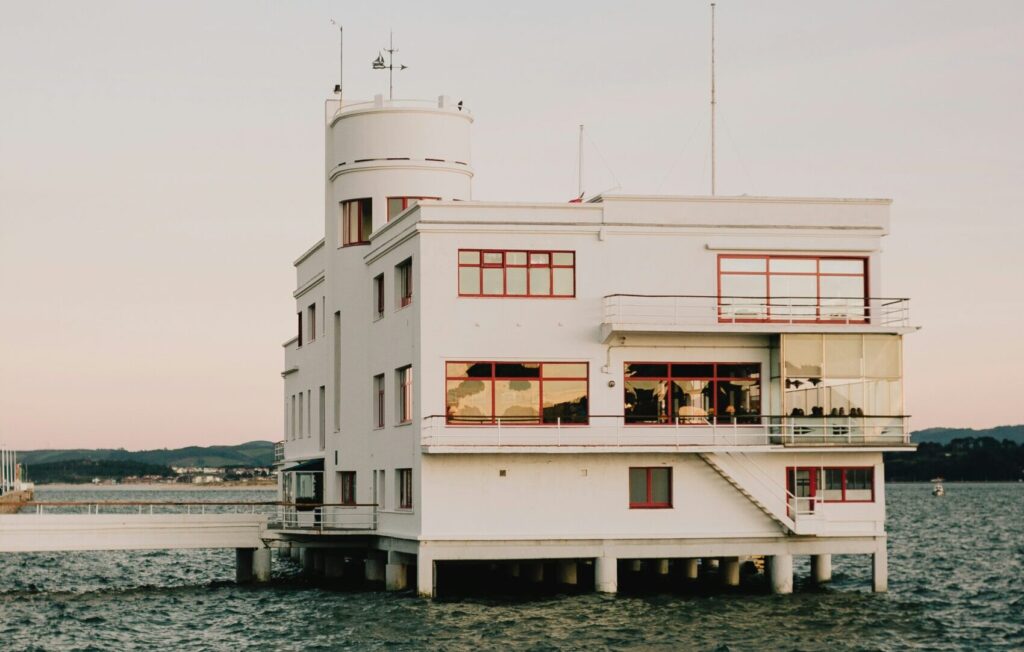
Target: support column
{"points": [[243, 565], [567, 571], [781, 571], [373, 569], [730, 571], [880, 570], [514, 569], [606, 575], [261, 564], [318, 561], [821, 568], [535, 572], [690, 569], [636, 565], [661, 566], [396, 573], [334, 566], [426, 576]]}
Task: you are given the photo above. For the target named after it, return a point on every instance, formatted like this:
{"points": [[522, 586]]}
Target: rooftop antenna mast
{"points": [[579, 181], [378, 64], [341, 59], [712, 99]]}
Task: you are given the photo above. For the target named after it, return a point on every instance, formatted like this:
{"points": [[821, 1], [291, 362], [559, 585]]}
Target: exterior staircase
{"points": [[761, 499]]}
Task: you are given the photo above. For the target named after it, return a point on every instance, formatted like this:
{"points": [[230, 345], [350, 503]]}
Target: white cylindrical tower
{"points": [[384, 155]]}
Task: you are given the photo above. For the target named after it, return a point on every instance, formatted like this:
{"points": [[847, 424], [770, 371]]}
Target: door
{"points": [[802, 486]]}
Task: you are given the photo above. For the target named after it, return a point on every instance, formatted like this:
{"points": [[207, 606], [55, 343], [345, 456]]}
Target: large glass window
{"points": [[516, 392], [517, 273], [398, 204], [650, 487], [841, 375], [692, 393], [792, 288], [831, 484], [356, 221]]}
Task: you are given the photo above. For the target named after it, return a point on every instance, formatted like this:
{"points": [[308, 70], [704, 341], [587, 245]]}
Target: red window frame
{"points": [[406, 203], [817, 476], [767, 274], [363, 209], [405, 282], [378, 298], [650, 503], [504, 266], [348, 487], [405, 397], [493, 420], [404, 488], [378, 388], [714, 379]]}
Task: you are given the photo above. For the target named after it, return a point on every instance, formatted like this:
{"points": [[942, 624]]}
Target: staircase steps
{"points": [[787, 525]]}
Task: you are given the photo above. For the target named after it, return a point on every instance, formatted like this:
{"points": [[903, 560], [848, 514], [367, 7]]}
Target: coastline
{"points": [[158, 486]]}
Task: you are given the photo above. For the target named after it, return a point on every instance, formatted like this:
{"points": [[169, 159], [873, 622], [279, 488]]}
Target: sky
{"points": [[161, 165]]}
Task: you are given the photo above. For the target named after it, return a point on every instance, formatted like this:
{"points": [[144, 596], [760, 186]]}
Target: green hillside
{"points": [[946, 435], [253, 453]]}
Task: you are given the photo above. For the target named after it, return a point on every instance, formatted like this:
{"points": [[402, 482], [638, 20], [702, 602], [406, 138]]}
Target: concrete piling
{"points": [[781, 574], [821, 568]]}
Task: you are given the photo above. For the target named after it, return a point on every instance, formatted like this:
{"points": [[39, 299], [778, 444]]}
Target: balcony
{"points": [[645, 313], [690, 434]]}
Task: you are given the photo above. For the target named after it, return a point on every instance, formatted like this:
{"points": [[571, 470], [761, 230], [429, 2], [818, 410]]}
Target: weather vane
{"points": [[378, 64]]}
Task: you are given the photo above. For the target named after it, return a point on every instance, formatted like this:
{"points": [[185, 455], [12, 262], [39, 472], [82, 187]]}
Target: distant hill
{"points": [[946, 435], [78, 471], [253, 453]]}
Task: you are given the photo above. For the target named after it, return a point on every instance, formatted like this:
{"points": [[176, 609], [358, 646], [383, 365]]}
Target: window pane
{"points": [[840, 266], [469, 280], [515, 279], [515, 258], [832, 488], [646, 370], [540, 280], [803, 355], [565, 370], [736, 285], [517, 401], [692, 400], [739, 370], [742, 264], [468, 401], [646, 401], [882, 356], [564, 280], [394, 206], [661, 486], [693, 370], [794, 296], [738, 398], [539, 258], [797, 265], [517, 370], [469, 257], [843, 356], [565, 400], [494, 280], [469, 369], [638, 486], [563, 258], [842, 287], [492, 258], [858, 484]]}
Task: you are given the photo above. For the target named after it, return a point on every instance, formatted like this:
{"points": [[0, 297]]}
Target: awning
{"points": [[309, 466]]}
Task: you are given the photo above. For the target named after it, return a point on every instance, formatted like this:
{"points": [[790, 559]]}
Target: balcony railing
{"points": [[693, 310], [325, 517], [631, 431]]}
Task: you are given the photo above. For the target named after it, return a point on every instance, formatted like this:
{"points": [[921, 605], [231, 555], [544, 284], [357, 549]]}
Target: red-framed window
{"points": [[378, 400], [398, 204], [650, 487], [404, 394], [494, 273], [378, 296], [691, 393], [356, 221], [757, 287], [831, 484], [404, 479], [348, 487], [484, 393], [403, 281]]}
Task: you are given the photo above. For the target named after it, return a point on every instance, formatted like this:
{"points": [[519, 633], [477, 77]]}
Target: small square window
{"points": [[650, 487]]}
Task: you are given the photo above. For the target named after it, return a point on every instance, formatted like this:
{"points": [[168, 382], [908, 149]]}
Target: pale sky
{"points": [[161, 165]]}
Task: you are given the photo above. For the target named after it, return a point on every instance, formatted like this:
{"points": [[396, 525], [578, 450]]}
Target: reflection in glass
{"points": [[468, 401], [565, 401], [517, 401]]}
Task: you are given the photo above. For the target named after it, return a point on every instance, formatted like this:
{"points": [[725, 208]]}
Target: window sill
{"points": [[650, 506], [354, 244], [403, 423]]}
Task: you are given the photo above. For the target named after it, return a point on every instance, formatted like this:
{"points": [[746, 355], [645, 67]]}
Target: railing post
{"points": [[499, 430], [558, 435]]}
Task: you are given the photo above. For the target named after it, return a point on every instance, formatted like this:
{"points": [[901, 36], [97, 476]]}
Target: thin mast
{"points": [[712, 98], [579, 182], [391, 65]]}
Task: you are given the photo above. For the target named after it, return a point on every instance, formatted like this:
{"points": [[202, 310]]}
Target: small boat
{"points": [[937, 488]]}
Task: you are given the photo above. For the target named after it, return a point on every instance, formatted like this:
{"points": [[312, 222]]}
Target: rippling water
{"points": [[956, 580]]}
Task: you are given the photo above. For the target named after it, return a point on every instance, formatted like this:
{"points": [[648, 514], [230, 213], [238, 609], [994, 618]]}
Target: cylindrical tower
{"points": [[384, 155]]}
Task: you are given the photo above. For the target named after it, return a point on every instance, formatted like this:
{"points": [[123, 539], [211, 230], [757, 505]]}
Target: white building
{"points": [[582, 384]]}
